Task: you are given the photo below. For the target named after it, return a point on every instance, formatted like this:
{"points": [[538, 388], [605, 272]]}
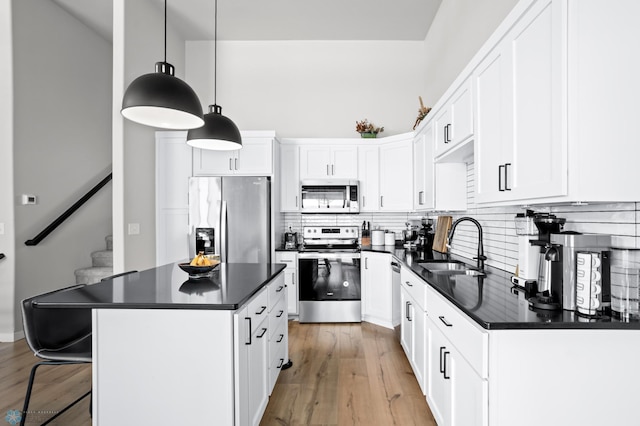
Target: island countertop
{"points": [[169, 287]]}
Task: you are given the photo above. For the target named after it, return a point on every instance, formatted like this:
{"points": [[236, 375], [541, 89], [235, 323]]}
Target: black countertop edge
{"points": [[578, 321]]}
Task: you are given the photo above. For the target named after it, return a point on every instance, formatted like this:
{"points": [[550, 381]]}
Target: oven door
{"points": [[329, 285]]}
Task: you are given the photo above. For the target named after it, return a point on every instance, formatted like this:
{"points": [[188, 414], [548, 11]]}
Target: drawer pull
{"points": [[261, 310], [444, 372], [280, 338], [409, 284], [260, 336], [279, 289], [442, 348], [280, 313], [444, 321], [409, 311], [281, 363]]}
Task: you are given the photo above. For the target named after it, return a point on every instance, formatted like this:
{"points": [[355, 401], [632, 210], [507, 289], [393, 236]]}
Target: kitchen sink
{"points": [[449, 267]]}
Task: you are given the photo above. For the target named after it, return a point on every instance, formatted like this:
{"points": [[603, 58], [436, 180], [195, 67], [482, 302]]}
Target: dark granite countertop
{"points": [[492, 301], [168, 287]]}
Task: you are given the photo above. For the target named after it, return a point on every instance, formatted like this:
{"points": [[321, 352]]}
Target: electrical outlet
{"points": [[134, 229]]}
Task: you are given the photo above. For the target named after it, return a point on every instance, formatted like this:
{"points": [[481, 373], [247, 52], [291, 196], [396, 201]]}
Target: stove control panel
{"points": [[330, 232]]}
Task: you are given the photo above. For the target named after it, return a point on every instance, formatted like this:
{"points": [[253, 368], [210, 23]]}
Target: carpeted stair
{"points": [[102, 265]]}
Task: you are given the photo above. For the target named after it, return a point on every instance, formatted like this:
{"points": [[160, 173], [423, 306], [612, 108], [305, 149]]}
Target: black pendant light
{"points": [[219, 132], [162, 100]]}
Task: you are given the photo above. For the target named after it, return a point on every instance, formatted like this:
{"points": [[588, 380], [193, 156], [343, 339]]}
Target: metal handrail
{"points": [[64, 216]]}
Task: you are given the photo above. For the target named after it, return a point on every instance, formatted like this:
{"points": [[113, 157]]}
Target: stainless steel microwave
{"points": [[329, 196]]}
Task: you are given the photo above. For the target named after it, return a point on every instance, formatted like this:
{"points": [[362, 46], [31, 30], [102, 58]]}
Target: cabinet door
{"points": [[377, 291], [420, 339], [438, 381], [469, 397], [291, 280], [255, 157], [462, 114], [289, 178], [405, 324], [423, 173], [207, 162], [538, 153], [493, 123], [258, 372], [344, 163], [396, 176], [443, 133], [369, 178], [242, 338], [315, 162]]}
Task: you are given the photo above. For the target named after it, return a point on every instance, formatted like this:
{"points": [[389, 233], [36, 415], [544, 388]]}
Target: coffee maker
{"points": [[548, 294], [425, 235]]}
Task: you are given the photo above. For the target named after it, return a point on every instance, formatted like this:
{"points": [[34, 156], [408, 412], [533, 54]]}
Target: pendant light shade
{"points": [[218, 133], [162, 100]]}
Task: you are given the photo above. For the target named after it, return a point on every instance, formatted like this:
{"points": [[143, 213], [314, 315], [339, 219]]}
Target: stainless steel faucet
{"points": [[481, 257]]}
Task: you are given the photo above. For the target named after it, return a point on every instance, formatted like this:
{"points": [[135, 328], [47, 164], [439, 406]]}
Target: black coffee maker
{"points": [[548, 292], [425, 235]]}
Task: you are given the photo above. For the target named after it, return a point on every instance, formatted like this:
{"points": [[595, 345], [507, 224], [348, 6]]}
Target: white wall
{"points": [[138, 43], [458, 31], [311, 88], [61, 144], [7, 246]]}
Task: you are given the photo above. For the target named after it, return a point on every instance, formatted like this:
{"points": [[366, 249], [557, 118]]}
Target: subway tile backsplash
{"points": [[500, 242]]}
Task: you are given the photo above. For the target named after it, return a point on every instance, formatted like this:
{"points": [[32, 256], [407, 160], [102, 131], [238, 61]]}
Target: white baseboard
{"points": [[11, 337]]}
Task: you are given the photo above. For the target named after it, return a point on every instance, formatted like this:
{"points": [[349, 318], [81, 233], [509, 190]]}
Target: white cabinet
{"points": [[255, 158], [173, 169], [290, 278], [396, 174], [380, 300], [413, 331], [369, 177], [278, 336], [521, 141], [423, 169], [453, 124], [328, 161], [289, 178]]}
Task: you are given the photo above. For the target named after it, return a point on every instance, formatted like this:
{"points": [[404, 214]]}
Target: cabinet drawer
{"points": [[276, 291], [414, 285], [257, 309], [278, 316], [288, 258], [470, 340]]}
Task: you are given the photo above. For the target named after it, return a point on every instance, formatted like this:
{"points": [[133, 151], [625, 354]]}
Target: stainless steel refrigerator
{"points": [[231, 216]]}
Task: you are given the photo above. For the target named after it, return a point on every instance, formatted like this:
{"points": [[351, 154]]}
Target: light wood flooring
{"points": [[342, 374]]}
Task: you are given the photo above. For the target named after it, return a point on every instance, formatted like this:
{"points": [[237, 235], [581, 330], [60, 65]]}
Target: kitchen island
{"points": [[168, 349]]}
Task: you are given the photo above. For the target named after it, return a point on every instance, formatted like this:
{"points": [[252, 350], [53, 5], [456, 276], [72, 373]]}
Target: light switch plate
{"points": [[134, 229]]}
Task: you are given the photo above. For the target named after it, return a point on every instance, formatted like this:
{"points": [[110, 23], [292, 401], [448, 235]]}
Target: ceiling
{"points": [[279, 19]]}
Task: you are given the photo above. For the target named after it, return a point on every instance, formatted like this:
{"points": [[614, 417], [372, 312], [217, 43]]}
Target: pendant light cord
{"points": [[165, 30], [215, 54]]}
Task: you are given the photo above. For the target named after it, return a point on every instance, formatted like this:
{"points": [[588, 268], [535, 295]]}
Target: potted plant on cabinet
{"points": [[367, 129]]}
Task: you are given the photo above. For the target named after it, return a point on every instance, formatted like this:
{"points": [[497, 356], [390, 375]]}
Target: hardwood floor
{"points": [[342, 374], [346, 374], [54, 388]]}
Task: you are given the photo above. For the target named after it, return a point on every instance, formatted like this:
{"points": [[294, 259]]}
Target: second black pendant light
{"points": [[219, 132]]}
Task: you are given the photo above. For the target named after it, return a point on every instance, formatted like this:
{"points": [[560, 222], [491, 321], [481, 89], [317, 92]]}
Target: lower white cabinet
{"points": [[278, 337], [413, 332], [379, 297], [290, 278]]}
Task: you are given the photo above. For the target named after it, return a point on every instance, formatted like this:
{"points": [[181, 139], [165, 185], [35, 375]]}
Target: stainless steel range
{"points": [[329, 274]]}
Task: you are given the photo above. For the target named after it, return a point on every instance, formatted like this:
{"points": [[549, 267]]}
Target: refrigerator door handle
{"points": [[223, 232]]}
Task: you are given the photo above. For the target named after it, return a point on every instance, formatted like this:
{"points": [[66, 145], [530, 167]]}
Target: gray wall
{"points": [[62, 143]]}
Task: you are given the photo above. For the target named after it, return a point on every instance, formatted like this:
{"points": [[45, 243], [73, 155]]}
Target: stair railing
{"points": [[64, 216]]}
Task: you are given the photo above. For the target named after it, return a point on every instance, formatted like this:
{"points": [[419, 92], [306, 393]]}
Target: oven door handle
{"points": [[328, 255]]}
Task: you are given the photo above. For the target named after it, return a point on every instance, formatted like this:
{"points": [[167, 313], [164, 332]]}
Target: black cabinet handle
{"points": [[279, 289], [281, 362], [447, 133], [280, 339], [406, 310], [444, 321], [409, 311], [500, 167], [249, 328], [409, 283], [444, 372], [280, 313], [442, 348], [261, 310], [506, 176], [260, 336]]}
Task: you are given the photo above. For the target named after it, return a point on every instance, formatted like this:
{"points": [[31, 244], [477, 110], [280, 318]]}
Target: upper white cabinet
{"points": [[453, 123], [396, 174], [423, 184], [520, 145], [253, 159], [289, 176], [328, 162], [369, 177]]}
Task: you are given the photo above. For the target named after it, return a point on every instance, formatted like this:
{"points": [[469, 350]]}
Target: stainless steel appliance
{"points": [[548, 294], [234, 214], [290, 240], [329, 196], [329, 275]]}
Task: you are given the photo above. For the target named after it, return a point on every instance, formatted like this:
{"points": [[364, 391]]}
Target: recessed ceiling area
{"points": [[279, 19]]}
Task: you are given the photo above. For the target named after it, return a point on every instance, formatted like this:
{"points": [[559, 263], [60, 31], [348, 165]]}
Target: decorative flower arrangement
{"points": [[367, 130], [422, 113]]}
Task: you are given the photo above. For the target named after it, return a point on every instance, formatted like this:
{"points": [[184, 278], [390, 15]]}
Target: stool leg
{"points": [[27, 397]]}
